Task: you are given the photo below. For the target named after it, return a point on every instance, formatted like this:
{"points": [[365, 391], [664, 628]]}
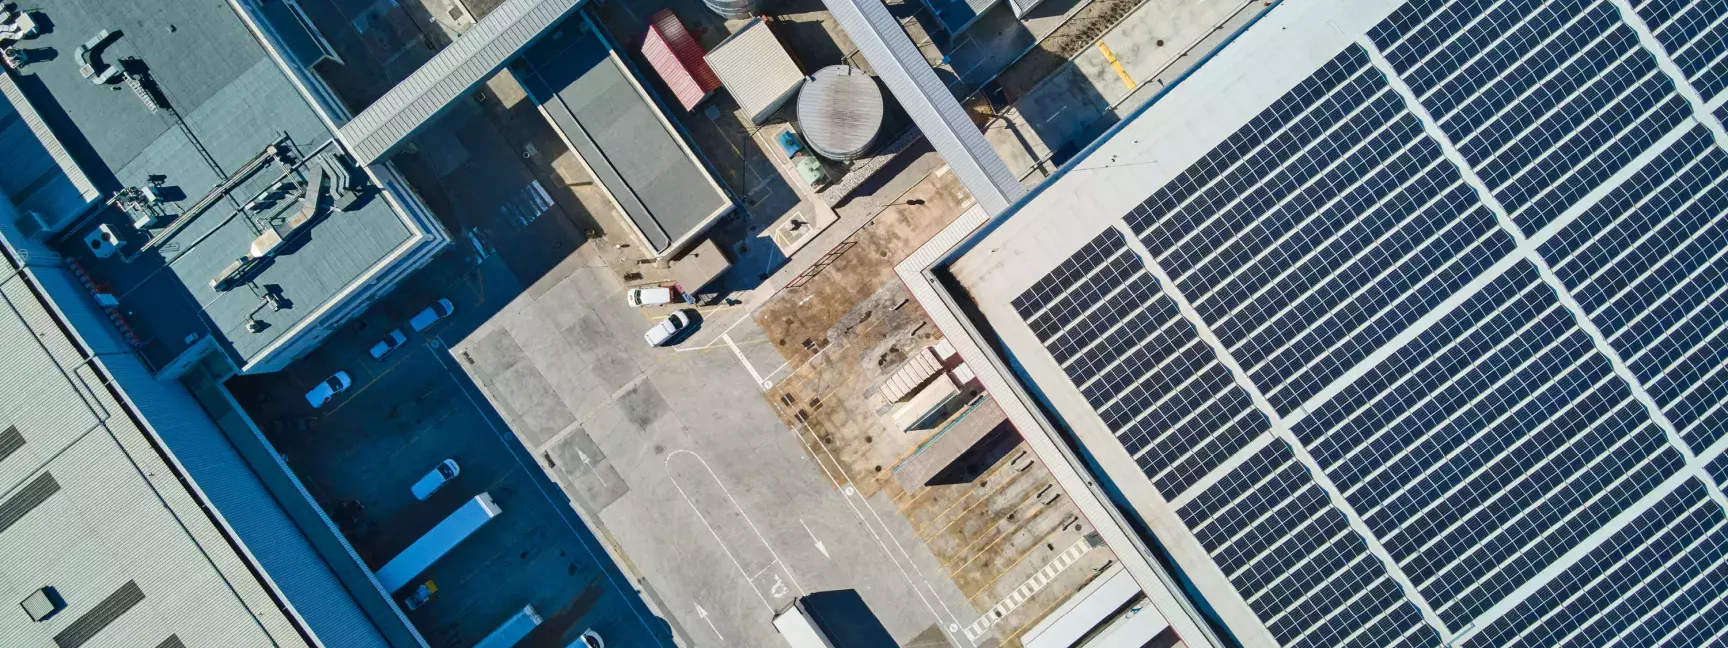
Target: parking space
{"points": [[359, 454], [520, 222], [996, 524], [677, 457]]}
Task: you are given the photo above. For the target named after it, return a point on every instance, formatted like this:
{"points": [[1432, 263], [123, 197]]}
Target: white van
{"points": [[328, 389], [648, 296], [441, 474], [426, 318]]}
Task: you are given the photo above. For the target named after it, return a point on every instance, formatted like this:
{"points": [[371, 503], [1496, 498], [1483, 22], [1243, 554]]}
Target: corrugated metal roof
{"points": [[900, 65], [756, 69], [27, 113], [678, 58], [94, 511], [639, 158], [840, 111], [910, 376], [458, 68]]}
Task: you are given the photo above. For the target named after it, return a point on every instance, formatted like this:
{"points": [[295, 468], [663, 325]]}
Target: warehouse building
{"points": [[1392, 324], [177, 208]]}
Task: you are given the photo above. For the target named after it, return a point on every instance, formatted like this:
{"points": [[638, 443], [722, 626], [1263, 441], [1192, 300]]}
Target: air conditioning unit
{"points": [[103, 241]]}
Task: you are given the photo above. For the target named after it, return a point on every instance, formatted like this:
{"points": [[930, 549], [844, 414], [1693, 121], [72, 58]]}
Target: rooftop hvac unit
{"points": [[103, 242], [265, 244], [756, 69], [910, 376], [230, 276]]}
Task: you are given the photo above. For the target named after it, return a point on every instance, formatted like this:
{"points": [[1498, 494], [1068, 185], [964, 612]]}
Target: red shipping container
{"points": [[678, 58]]}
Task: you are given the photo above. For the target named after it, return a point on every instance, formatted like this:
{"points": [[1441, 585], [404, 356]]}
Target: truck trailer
{"points": [[443, 537]]}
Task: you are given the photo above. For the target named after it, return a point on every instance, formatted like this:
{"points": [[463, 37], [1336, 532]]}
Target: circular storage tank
{"points": [[734, 9], [840, 112]]}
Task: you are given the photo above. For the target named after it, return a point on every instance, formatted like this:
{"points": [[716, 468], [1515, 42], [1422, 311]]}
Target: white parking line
{"points": [[847, 492], [776, 591], [727, 338]]}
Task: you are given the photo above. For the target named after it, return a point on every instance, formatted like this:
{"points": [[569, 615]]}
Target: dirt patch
{"points": [[1084, 28]]}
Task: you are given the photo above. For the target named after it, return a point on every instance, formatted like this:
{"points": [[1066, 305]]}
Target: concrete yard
{"points": [[843, 330], [1057, 109]]}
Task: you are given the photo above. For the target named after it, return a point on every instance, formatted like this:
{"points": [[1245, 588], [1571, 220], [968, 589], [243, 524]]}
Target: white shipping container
{"points": [[443, 537], [513, 630], [756, 69]]}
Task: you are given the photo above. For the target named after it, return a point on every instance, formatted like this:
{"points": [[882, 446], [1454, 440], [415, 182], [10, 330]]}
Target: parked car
{"points": [[420, 596], [425, 319], [648, 296], [589, 639], [441, 474], [669, 328], [393, 340], [328, 389]]}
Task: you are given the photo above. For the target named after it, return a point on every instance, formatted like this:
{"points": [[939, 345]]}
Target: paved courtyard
{"points": [[692, 477]]}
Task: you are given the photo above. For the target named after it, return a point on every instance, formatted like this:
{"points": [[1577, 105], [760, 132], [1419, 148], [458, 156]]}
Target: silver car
{"points": [[329, 388], [668, 328], [393, 340], [426, 318]]}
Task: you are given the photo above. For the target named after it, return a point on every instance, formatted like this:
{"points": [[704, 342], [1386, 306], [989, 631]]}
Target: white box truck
{"points": [[512, 630], [798, 628], [443, 537]]}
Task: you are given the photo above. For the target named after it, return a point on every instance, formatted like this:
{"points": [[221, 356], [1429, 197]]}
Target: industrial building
{"points": [[1390, 324], [178, 208], [592, 98]]}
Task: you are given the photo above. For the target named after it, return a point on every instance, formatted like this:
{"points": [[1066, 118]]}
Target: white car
{"points": [[438, 310], [328, 389], [649, 296], [589, 639], [441, 474], [392, 341], [668, 328]]}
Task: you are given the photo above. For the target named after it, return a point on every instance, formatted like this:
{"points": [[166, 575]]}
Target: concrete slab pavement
{"points": [[691, 475], [1150, 47]]}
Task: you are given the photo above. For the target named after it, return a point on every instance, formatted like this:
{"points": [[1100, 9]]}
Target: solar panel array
{"points": [[1463, 377]]}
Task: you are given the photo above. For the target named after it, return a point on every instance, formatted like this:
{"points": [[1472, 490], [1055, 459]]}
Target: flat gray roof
{"points": [[621, 134], [473, 58], [225, 101], [90, 508]]}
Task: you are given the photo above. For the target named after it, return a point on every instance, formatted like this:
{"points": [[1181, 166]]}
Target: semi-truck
{"points": [[832, 619], [443, 537], [512, 630]]}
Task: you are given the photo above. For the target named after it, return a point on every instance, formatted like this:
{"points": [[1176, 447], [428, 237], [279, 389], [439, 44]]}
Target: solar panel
{"points": [[1433, 350]]}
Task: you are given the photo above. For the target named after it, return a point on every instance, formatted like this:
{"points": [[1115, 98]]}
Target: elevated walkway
{"points": [[455, 71]]}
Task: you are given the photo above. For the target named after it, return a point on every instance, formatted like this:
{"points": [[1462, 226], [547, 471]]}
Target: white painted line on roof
{"points": [[1032, 585], [1666, 64], [1527, 250], [1282, 431], [1578, 551]]}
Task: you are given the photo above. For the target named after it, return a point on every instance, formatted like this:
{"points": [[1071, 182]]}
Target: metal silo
{"points": [[840, 112]]}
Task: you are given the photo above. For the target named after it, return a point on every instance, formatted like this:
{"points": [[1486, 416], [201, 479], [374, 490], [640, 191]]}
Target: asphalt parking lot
{"points": [[359, 454]]}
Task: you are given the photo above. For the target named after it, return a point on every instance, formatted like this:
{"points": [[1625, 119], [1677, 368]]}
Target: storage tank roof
{"points": [[840, 111]]}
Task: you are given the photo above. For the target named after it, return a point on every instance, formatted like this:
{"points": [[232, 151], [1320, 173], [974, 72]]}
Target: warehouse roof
{"points": [[620, 133], [180, 98], [90, 508], [1398, 323]]}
